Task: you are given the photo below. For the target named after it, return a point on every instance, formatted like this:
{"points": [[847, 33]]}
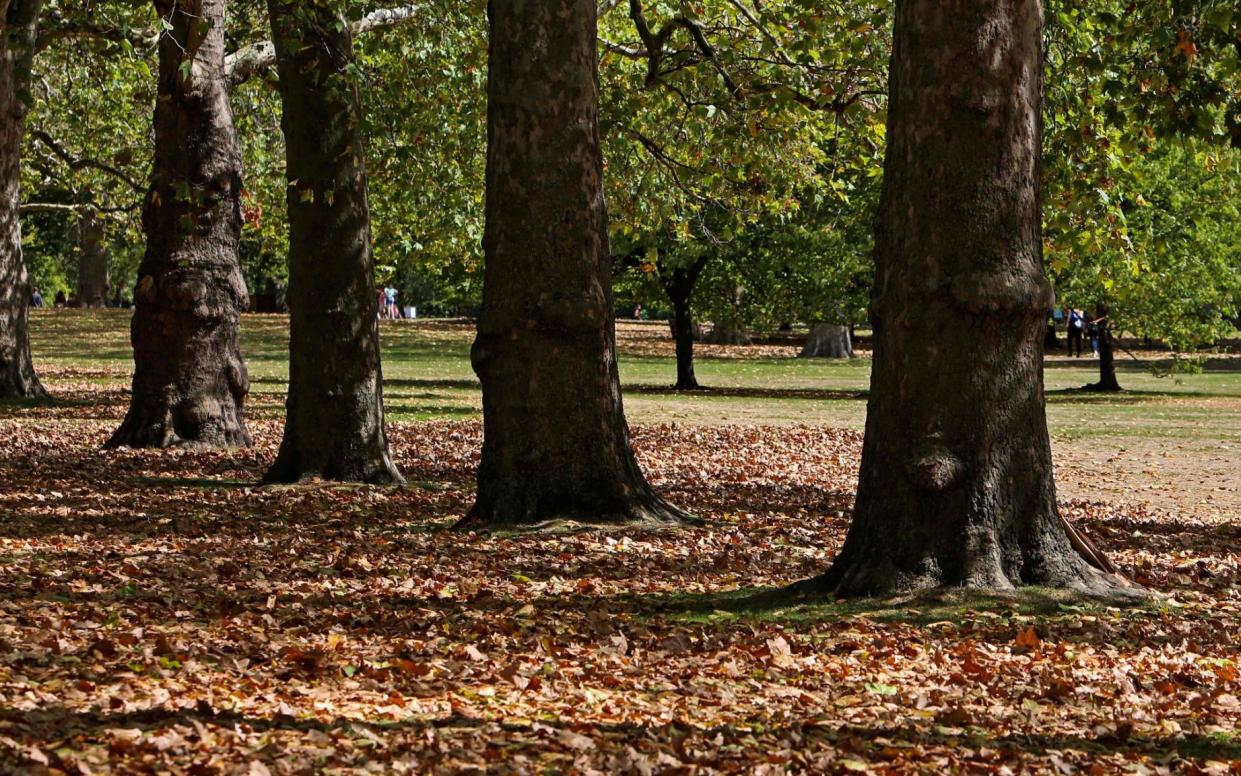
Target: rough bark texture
{"points": [[17, 49], [189, 379], [335, 421], [92, 261], [679, 286], [556, 444], [956, 483], [828, 341]]}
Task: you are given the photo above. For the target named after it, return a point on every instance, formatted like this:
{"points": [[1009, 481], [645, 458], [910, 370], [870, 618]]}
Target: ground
{"points": [[161, 613]]}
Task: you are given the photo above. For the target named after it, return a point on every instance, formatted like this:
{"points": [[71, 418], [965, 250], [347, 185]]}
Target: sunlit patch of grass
{"points": [[428, 376]]}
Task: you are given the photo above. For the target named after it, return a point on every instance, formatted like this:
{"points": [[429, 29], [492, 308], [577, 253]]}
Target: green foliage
{"points": [[754, 144]]}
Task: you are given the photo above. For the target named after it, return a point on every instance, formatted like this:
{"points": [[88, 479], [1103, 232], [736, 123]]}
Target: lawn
{"points": [[428, 376], [159, 612]]}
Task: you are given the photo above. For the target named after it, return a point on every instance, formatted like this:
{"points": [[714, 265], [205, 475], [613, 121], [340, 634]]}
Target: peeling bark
{"points": [[190, 382], [556, 444]]}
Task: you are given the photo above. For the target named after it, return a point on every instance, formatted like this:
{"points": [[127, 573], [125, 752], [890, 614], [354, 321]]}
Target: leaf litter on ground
{"points": [[160, 612]]}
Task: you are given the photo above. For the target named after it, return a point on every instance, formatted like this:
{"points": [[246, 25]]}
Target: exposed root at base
{"points": [[853, 579]]}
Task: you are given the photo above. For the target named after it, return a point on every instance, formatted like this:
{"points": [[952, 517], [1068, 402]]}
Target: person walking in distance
{"points": [[1076, 330]]}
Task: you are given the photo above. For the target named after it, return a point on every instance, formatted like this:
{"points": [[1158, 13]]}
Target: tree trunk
{"points": [[556, 444], [828, 341], [956, 484], [17, 47], [679, 286], [189, 379], [335, 420], [92, 261], [727, 334], [1107, 357], [683, 325]]}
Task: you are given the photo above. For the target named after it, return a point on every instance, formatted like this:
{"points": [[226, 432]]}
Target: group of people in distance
{"points": [[1079, 327], [107, 300], [388, 308]]}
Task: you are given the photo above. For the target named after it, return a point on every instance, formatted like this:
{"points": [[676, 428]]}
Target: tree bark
{"points": [[679, 286], [17, 48], [828, 341], [190, 382], [92, 260], [556, 444], [334, 425], [956, 485]]}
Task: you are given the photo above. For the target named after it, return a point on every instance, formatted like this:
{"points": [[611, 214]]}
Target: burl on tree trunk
{"points": [[335, 420], [189, 379], [17, 48], [956, 485], [556, 445]]}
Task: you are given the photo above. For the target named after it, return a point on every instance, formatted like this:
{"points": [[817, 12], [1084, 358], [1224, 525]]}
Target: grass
{"points": [[428, 376]]}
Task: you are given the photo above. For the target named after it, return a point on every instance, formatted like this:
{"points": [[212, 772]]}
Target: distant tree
{"points": [[335, 419], [555, 440], [956, 485], [190, 382]]}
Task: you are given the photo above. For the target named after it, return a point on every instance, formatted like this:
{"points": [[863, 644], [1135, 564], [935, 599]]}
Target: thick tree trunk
{"points": [[17, 38], [679, 286], [189, 379], [956, 483], [828, 340], [555, 444], [92, 261], [335, 421], [1107, 357]]}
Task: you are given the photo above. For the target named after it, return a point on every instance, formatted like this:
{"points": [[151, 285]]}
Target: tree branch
{"points": [[76, 164]]}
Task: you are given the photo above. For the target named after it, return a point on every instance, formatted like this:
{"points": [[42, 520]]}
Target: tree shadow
{"points": [[813, 394], [790, 605], [727, 747]]}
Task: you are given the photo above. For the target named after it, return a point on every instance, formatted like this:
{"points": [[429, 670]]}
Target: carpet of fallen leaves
{"points": [[159, 613]]}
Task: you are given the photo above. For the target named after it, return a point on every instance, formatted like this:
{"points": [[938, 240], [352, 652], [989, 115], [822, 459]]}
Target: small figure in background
{"points": [[1076, 330], [1092, 334], [390, 295], [36, 299], [60, 300]]}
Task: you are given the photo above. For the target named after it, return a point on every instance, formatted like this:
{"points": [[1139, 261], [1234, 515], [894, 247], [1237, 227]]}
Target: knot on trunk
{"points": [[188, 295], [989, 292], [575, 312], [936, 469]]}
